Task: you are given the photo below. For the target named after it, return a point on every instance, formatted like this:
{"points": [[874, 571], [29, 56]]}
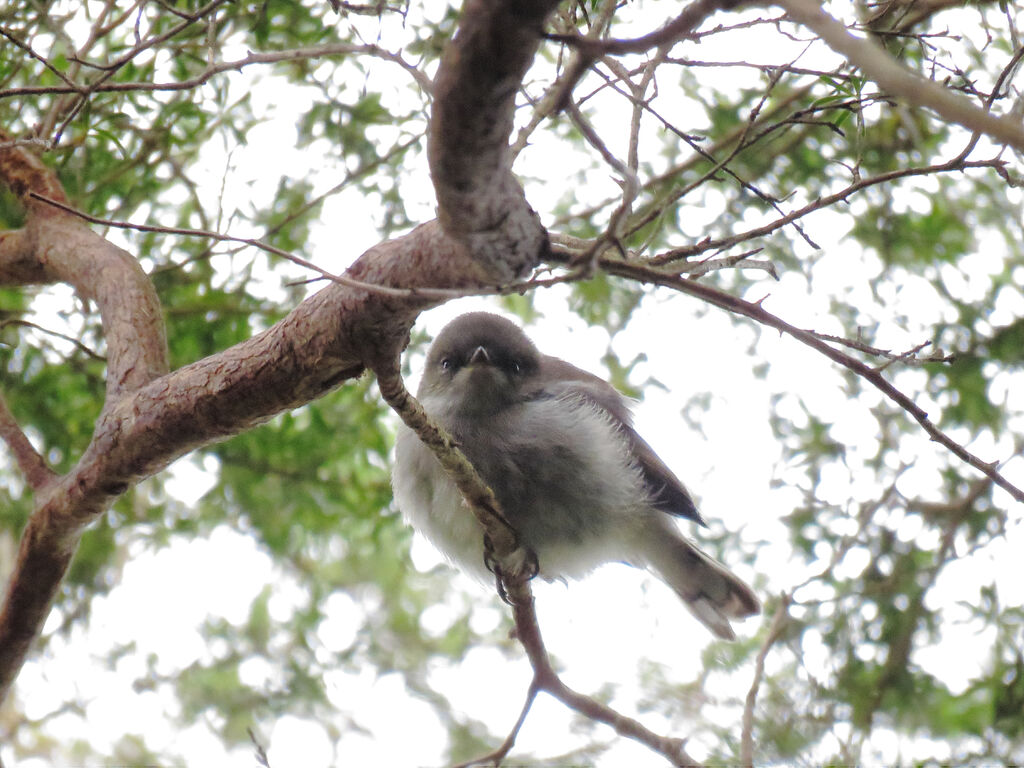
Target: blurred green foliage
{"points": [[311, 488]]}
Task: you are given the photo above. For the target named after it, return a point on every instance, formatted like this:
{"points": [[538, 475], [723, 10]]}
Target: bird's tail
{"points": [[710, 590]]}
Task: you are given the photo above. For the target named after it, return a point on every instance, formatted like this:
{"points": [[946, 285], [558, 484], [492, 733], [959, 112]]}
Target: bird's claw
{"points": [[521, 565]]}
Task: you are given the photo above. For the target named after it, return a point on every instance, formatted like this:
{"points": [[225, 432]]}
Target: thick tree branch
{"points": [[129, 308], [320, 344], [63, 249], [150, 419], [23, 172], [18, 262], [479, 201]]}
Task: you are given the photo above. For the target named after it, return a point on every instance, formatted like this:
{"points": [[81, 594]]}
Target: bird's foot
{"points": [[517, 567]]}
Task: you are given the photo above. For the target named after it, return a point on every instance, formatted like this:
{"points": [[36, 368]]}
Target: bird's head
{"points": [[478, 364]]}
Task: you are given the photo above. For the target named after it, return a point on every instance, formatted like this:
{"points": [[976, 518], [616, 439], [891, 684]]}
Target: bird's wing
{"points": [[666, 491]]}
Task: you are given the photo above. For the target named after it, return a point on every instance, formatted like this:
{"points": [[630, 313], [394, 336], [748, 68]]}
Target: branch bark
{"points": [[479, 201]]}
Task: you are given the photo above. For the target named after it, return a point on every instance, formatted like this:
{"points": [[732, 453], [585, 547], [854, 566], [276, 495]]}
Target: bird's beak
{"points": [[480, 357]]}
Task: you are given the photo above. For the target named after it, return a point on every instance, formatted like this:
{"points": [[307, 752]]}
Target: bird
{"points": [[556, 445]]}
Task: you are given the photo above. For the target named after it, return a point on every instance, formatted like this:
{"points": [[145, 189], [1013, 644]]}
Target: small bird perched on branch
{"points": [[574, 479]]}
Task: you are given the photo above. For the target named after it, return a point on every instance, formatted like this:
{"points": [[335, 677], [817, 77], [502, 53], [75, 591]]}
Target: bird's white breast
{"points": [[573, 524]]}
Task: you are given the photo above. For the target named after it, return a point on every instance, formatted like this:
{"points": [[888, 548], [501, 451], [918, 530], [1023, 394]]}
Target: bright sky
{"points": [[605, 628]]}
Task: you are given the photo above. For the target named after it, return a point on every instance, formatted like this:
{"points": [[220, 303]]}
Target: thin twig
{"points": [[740, 260], [41, 59], [895, 78], [309, 205], [678, 169], [271, 57], [909, 357], [590, 50], [789, 69], [756, 312], [363, 170], [553, 97], [109, 70], [545, 677], [630, 185], [430, 293], [1011, 65], [679, 28], [442, 294], [957, 164], [495, 757], [188, 19], [31, 463], [27, 324], [43, 144], [774, 632], [819, 204]]}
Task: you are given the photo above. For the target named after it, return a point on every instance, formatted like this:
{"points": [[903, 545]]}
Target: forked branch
{"points": [[516, 588]]}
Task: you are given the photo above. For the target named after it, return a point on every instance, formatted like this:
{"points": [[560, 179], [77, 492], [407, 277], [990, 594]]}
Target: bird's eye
{"points": [[446, 363], [516, 366]]}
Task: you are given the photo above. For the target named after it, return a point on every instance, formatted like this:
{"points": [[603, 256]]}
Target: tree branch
{"points": [[546, 679], [590, 49], [875, 63], [32, 465], [386, 290], [150, 417], [955, 165], [754, 311], [470, 162], [680, 27], [235, 65], [555, 95], [774, 632], [65, 250], [495, 757], [70, 339]]}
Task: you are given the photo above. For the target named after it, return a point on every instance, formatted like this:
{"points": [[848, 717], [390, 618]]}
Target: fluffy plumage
{"points": [[557, 446]]}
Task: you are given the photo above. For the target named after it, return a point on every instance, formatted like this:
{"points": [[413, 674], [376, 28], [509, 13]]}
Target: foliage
{"points": [[322, 155]]}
